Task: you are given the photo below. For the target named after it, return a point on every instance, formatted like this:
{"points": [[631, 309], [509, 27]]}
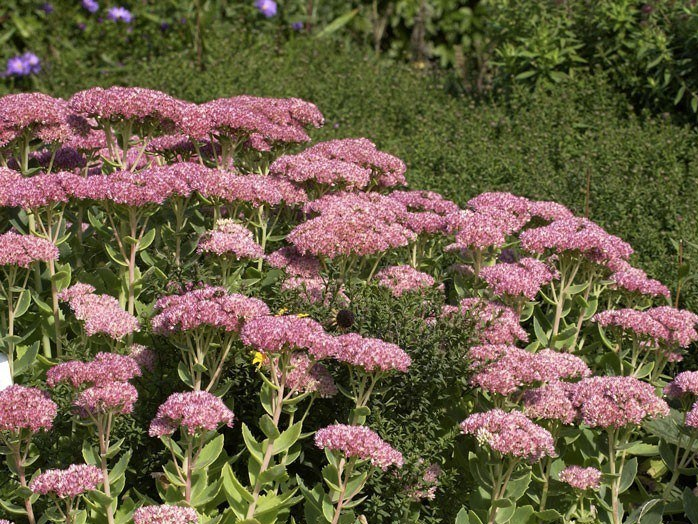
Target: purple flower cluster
{"points": [[24, 408], [115, 398], [371, 354], [67, 483], [307, 376], [23, 65], [634, 280], [105, 369], [684, 384], [360, 442], [207, 307], [510, 434], [195, 412], [102, 314], [659, 325], [275, 334], [495, 322], [165, 514], [119, 14]]}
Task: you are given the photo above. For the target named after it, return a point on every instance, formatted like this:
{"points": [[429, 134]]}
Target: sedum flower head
{"points": [[103, 370], [25, 408], [360, 442], [684, 384], [510, 434], [25, 250], [371, 354], [101, 314], [229, 238], [165, 514], [67, 483], [403, 279], [274, 334], [523, 278], [495, 322], [115, 398], [195, 412], [581, 478]]}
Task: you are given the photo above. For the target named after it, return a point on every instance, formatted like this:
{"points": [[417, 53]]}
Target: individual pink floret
{"points": [[360, 442]]}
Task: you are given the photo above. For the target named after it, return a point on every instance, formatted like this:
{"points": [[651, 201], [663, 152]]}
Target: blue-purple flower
{"points": [[91, 5], [47, 8], [267, 7], [23, 65], [297, 26], [120, 14]]}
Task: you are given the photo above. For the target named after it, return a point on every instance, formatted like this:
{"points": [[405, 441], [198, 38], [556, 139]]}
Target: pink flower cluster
{"points": [[581, 478], [116, 398], [100, 313], [360, 442], [660, 325], [402, 279], [615, 402], [577, 235], [308, 166], [165, 514], [523, 278], [307, 376], [684, 384], [479, 230], [229, 238], [634, 280], [290, 260], [522, 207], [553, 401], [314, 290], [495, 322], [31, 192], [145, 357], [25, 250], [503, 369], [387, 170], [195, 412], [103, 370], [428, 212], [35, 115], [371, 354], [692, 417], [510, 434], [25, 408], [205, 307], [67, 483], [352, 224], [275, 334]]}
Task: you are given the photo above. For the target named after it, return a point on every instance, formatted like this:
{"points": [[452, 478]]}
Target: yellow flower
{"points": [[258, 359], [281, 312], [302, 315]]}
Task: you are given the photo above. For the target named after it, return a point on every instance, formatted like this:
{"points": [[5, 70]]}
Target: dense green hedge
{"points": [[643, 170]]}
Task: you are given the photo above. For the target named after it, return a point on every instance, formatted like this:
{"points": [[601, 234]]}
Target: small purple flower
{"points": [[32, 62], [91, 5], [267, 7], [120, 14], [47, 8], [16, 67], [82, 26], [164, 26], [297, 26]]}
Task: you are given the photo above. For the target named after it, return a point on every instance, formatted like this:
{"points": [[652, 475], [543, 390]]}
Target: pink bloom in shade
{"points": [[616, 402], [24, 408], [388, 170], [401, 279], [577, 235], [145, 107], [425, 489], [581, 478], [165, 514], [145, 357], [104, 369], [25, 250], [360, 442], [34, 114], [194, 411], [290, 260], [482, 229], [305, 167], [552, 401], [685, 383], [504, 369], [102, 314], [659, 325], [510, 434], [307, 376], [3, 521], [116, 398], [525, 277], [275, 334], [496, 323], [315, 290], [692, 417], [634, 280], [67, 483], [229, 238], [207, 307], [371, 354]]}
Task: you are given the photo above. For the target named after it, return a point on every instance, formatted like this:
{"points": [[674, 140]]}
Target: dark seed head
{"points": [[345, 318]]}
